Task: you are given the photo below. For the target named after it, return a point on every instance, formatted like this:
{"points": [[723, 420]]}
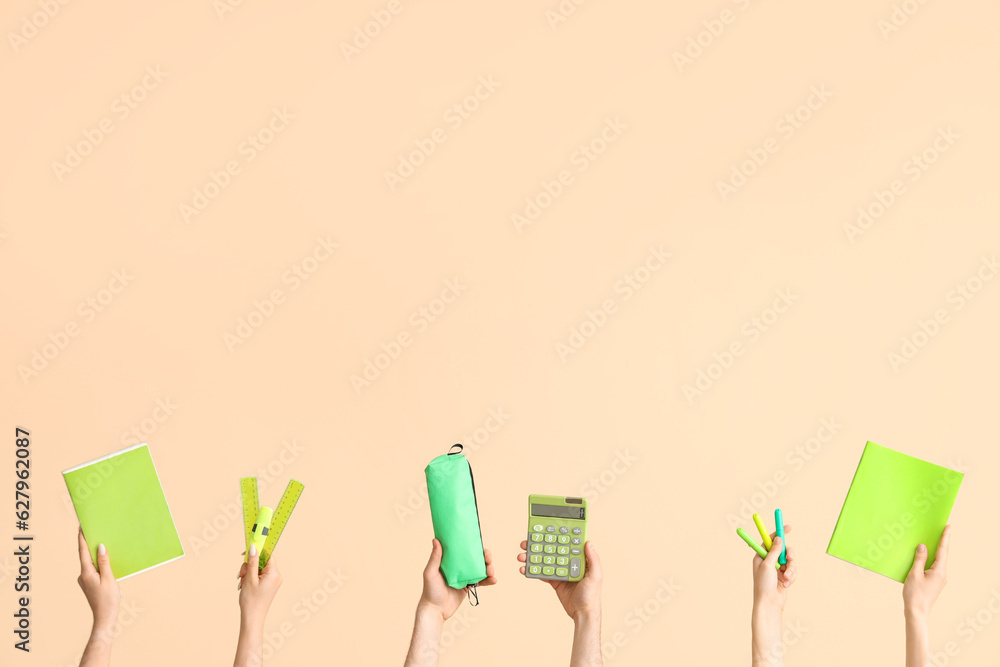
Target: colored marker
{"points": [[779, 529], [753, 544], [260, 529], [764, 536]]}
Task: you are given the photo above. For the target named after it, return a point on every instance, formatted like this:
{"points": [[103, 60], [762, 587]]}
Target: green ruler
{"points": [[282, 513]]}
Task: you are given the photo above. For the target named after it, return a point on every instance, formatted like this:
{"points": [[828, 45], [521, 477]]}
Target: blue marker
{"points": [[779, 529]]}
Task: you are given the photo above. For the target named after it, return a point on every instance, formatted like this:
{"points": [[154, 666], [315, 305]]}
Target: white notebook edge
{"points": [[109, 456]]}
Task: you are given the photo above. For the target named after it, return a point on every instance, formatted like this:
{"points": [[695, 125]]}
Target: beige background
{"points": [[661, 517]]}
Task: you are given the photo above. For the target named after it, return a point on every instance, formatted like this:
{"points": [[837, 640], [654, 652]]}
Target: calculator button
{"points": [[537, 537], [564, 530], [537, 528], [549, 548], [561, 572], [550, 538], [564, 550], [534, 569], [535, 559], [549, 571], [562, 560], [576, 540], [574, 567], [575, 551], [536, 548], [549, 560], [550, 529], [564, 539], [577, 531]]}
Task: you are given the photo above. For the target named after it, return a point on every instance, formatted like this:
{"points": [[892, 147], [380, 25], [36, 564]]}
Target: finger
{"points": [[524, 545], [523, 558], [919, 561], [86, 562], [434, 562], [243, 571], [941, 557], [253, 565], [488, 557], [788, 576], [522, 569], [593, 561], [104, 563], [772, 555]]}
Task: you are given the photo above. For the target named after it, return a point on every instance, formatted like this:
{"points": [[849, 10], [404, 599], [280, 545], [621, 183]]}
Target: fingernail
{"points": [[253, 550], [921, 548], [101, 549]]}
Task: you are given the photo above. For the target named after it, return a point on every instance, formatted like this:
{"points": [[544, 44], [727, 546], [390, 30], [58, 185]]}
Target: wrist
{"points": [[429, 611], [914, 615], [586, 616], [765, 614]]}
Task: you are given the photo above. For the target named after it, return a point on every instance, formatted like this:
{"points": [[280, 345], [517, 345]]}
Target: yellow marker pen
{"points": [[260, 529], [763, 532]]}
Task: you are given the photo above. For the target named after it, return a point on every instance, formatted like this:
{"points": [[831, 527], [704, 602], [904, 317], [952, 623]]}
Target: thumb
{"points": [[434, 562], [253, 564], [919, 560], [104, 563], [772, 556]]}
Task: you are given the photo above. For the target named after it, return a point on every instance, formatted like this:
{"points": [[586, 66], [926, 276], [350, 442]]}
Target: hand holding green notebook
{"points": [[120, 503], [895, 503]]}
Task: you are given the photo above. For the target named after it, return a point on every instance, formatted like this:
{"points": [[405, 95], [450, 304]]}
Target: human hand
{"points": [[438, 596], [578, 598], [257, 587], [99, 585], [922, 587], [770, 584]]}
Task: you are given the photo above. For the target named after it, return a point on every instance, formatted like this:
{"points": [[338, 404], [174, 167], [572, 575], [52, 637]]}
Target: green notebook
{"points": [[895, 503], [120, 503]]}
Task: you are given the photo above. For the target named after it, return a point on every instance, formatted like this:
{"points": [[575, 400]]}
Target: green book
{"points": [[895, 503], [120, 503]]}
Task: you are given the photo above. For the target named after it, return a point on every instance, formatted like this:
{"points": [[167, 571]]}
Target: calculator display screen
{"points": [[558, 511]]}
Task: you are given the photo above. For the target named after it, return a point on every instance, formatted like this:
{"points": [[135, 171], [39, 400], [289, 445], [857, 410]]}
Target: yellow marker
{"points": [[260, 530], [764, 536]]}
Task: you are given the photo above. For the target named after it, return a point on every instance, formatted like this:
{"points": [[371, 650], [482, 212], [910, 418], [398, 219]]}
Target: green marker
{"points": [[260, 530], [753, 544]]}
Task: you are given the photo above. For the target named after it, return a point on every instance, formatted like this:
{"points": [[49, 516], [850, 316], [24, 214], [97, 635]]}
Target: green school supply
{"points": [[261, 525], [557, 533], [895, 503], [451, 494], [120, 503]]}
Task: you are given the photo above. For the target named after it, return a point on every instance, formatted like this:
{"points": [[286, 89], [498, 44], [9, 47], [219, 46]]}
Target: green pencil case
{"points": [[451, 493]]}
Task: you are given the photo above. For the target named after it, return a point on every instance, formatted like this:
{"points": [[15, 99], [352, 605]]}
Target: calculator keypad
{"points": [[550, 554]]}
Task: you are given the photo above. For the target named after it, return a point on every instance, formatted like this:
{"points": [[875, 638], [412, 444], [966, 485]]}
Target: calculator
{"points": [[557, 531]]}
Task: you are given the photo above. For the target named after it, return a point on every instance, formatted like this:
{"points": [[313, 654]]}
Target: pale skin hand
{"points": [[104, 597], [920, 590], [582, 602], [438, 603], [770, 593], [257, 589]]}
